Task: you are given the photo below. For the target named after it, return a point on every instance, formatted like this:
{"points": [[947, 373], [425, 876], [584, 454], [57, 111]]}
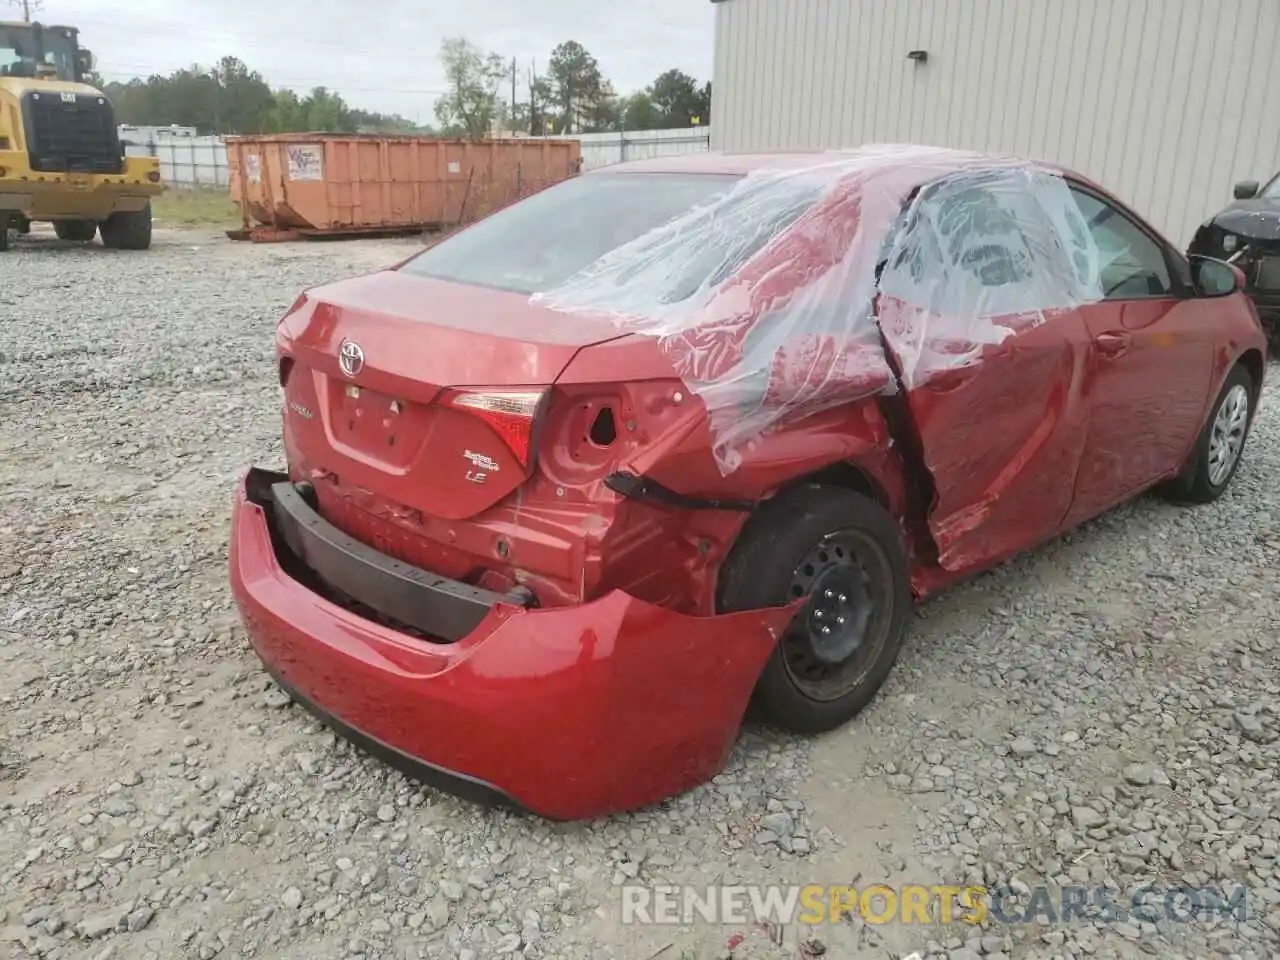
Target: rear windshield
{"points": [[544, 240]]}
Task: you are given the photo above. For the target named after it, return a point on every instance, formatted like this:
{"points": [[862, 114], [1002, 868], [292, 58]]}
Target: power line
{"points": [[27, 6], [126, 72], [163, 28], [159, 28]]}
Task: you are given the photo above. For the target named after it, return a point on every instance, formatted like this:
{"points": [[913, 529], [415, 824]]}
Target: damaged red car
{"points": [[568, 490]]}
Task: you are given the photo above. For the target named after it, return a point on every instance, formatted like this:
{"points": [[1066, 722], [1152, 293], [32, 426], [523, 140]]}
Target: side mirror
{"points": [[1247, 190], [1215, 278], [85, 62]]}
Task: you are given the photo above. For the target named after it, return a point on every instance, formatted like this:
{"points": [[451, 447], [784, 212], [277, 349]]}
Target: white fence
{"points": [[187, 161], [603, 149], [184, 161]]}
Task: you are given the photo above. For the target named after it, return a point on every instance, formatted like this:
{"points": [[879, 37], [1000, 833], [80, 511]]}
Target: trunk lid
{"points": [[420, 391]]}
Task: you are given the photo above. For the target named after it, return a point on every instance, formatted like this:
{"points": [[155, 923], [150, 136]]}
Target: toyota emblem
{"points": [[350, 358]]}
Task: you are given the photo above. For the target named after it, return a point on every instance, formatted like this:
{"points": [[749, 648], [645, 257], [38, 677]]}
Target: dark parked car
{"points": [[1247, 233]]}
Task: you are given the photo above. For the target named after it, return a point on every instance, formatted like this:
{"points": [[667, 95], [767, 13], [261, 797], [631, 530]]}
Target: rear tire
{"points": [[5, 227], [128, 231], [1220, 447], [77, 231], [843, 551]]}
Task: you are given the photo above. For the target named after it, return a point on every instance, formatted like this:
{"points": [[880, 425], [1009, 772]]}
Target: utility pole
{"points": [[513, 94], [534, 126], [217, 120]]}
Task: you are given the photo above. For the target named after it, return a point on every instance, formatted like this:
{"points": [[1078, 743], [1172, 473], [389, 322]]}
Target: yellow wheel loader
{"points": [[61, 160]]}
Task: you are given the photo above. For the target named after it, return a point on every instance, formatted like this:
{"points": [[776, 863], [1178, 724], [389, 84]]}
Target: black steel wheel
{"points": [[832, 644], [843, 553]]}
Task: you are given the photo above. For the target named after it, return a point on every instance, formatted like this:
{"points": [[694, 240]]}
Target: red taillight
{"points": [[511, 414], [154, 176]]}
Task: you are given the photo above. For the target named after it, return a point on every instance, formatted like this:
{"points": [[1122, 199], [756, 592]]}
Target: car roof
{"points": [[893, 155], [930, 162]]}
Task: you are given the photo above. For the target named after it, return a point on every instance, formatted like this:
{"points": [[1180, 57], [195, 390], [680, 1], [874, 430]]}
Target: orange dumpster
{"points": [[323, 184]]}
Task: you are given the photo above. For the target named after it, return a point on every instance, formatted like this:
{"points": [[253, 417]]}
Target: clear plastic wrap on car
{"points": [[799, 290]]}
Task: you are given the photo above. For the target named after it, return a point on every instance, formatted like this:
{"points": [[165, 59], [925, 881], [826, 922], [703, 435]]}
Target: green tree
{"points": [[531, 114], [286, 114], [604, 113], [244, 98], [679, 99], [232, 98], [639, 113], [577, 86], [325, 110], [366, 121], [471, 106]]}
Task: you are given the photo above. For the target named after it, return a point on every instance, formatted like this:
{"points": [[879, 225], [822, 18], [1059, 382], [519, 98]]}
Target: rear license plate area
{"points": [[383, 427]]}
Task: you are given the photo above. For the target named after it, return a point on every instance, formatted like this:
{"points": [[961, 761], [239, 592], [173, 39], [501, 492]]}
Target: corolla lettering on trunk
{"points": [[300, 410], [481, 466], [350, 358]]}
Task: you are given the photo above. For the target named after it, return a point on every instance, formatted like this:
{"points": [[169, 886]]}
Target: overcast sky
{"points": [[382, 54]]}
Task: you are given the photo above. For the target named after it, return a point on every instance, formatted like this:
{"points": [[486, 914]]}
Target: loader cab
{"points": [[35, 52]]}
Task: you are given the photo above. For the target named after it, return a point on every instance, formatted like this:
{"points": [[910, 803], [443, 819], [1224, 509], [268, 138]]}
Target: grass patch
{"points": [[195, 207]]}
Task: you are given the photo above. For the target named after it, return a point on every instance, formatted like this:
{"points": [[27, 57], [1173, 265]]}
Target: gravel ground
{"points": [[1104, 711]]}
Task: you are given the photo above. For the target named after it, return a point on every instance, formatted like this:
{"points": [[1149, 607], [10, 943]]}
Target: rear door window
{"points": [[989, 243]]}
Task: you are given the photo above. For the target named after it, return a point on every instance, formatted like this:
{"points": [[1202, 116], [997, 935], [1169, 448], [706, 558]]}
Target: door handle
{"points": [[1113, 343]]}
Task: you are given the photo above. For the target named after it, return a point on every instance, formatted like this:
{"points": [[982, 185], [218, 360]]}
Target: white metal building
{"points": [[1166, 102]]}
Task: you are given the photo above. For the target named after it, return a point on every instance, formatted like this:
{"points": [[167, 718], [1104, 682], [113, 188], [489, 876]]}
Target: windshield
{"points": [[26, 52], [1272, 190], [543, 240]]}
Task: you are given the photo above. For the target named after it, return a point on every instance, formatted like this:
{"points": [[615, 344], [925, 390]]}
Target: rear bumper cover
{"points": [[571, 712], [435, 605]]}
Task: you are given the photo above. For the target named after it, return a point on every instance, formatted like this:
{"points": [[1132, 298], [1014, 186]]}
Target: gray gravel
{"points": [[1104, 711]]}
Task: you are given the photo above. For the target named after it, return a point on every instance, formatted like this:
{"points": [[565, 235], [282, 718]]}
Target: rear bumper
{"points": [[570, 712], [403, 594]]}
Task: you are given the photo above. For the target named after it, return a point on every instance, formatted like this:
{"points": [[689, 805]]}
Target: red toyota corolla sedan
{"points": [[568, 489]]}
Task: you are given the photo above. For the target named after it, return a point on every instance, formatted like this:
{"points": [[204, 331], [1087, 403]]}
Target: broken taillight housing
{"points": [[511, 414], [297, 305]]}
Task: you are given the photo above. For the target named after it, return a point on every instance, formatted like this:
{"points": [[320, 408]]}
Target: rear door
{"points": [[979, 309]]}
